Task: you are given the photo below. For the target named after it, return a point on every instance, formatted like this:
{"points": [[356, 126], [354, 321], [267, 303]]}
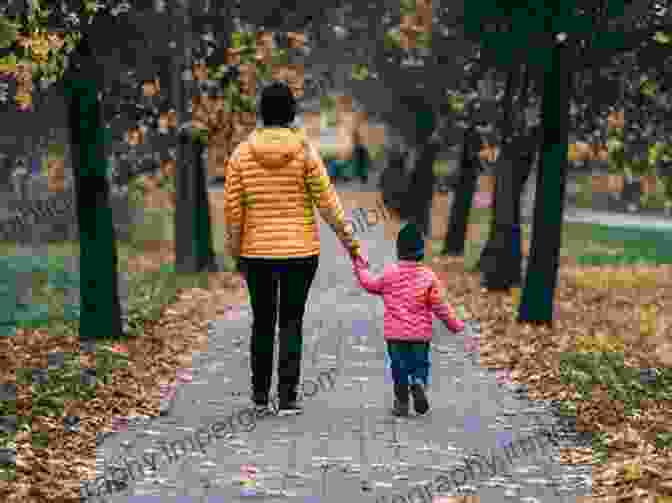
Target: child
{"points": [[411, 293]]}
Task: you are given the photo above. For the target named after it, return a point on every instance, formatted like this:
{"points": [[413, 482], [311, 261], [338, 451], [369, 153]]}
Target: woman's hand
{"points": [[355, 249], [352, 245]]}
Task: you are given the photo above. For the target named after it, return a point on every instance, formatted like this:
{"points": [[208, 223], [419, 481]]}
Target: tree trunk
{"points": [[463, 195], [498, 254], [421, 188], [501, 264], [5, 173], [418, 200], [206, 254], [542, 271], [100, 315], [496, 258], [522, 149], [393, 180], [192, 249]]}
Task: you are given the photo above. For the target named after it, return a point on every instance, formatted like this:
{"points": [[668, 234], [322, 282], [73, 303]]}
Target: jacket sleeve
{"points": [[324, 196], [441, 309], [366, 280], [233, 205]]}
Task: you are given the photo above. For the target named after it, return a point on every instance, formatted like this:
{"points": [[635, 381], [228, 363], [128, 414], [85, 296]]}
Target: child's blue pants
{"points": [[409, 362]]}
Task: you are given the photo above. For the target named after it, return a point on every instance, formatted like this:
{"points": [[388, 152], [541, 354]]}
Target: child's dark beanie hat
{"points": [[410, 243]]}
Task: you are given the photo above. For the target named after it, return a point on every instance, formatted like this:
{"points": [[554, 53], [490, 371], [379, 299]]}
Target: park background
{"points": [[598, 308]]}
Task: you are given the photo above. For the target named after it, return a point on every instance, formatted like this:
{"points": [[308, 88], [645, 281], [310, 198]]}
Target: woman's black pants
{"points": [[291, 279]]}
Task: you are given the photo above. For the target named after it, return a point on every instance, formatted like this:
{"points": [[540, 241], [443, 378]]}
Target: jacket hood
{"points": [[275, 147]]}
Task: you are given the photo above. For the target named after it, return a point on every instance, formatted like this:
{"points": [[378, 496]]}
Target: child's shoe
{"points": [[401, 399], [420, 402], [400, 409]]}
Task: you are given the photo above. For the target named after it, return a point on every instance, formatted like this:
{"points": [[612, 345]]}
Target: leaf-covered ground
{"points": [[50, 460], [54, 404], [608, 358], [590, 361]]}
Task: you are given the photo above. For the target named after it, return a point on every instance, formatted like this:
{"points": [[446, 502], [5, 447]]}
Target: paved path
{"points": [[618, 220], [471, 412]]}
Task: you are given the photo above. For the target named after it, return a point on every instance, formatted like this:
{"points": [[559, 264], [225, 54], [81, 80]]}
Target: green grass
{"points": [[598, 245], [584, 196], [654, 201], [330, 113], [157, 224], [148, 293], [441, 168], [160, 225], [635, 246], [376, 152], [328, 151], [587, 370], [590, 244], [146, 290]]}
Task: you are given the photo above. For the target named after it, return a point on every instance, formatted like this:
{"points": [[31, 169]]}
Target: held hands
{"points": [[350, 242], [360, 261], [458, 326], [353, 247], [355, 250]]}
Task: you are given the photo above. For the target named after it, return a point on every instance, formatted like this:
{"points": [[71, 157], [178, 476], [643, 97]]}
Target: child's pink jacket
{"points": [[411, 293]]}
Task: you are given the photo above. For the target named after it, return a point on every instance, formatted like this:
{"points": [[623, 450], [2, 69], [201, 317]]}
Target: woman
{"points": [[273, 180]]}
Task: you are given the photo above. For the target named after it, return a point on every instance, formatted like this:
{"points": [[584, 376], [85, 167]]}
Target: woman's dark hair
{"points": [[277, 105]]}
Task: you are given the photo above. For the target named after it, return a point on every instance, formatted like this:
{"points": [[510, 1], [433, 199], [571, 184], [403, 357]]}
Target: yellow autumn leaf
{"points": [[23, 99], [648, 321], [616, 345], [515, 295], [647, 329], [602, 339], [606, 343], [632, 471], [585, 344], [662, 38]]}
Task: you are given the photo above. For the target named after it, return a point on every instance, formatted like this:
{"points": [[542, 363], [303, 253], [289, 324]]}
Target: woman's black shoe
{"points": [[262, 407], [290, 409], [261, 411]]}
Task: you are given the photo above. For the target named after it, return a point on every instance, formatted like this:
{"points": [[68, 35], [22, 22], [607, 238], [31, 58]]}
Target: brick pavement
{"points": [[471, 412]]}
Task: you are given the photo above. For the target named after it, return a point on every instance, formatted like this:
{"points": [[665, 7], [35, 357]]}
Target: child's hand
{"points": [[455, 326], [360, 261]]}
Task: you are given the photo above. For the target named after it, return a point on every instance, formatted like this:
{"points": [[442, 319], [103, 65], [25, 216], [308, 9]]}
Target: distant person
{"points": [[361, 158], [36, 165], [411, 293], [5, 173], [19, 178], [273, 180]]}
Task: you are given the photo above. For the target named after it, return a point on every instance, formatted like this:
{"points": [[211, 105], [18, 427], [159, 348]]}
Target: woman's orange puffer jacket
{"points": [[273, 180]]}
